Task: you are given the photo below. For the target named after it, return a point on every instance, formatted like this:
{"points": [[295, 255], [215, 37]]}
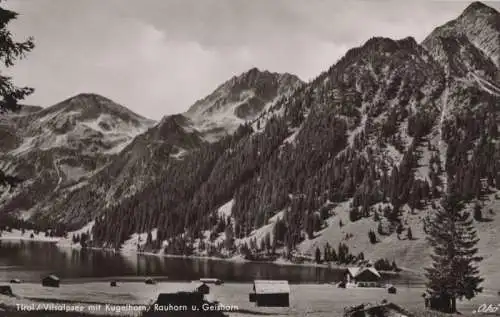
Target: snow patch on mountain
{"points": [[136, 241], [260, 233], [225, 210]]}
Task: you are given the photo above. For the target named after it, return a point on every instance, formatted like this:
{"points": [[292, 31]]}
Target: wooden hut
{"points": [[391, 289], [440, 303], [215, 281], [201, 288], [149, 281], [6, 290], [15, 281], [268, 293], [367, 276], [113, 284], [51, 281]]}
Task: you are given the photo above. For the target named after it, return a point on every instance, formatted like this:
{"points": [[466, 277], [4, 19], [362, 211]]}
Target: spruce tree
{"points": [[326, 253], [478, 212], [454, 273], [372, 236], [318, 255], [11, 51]]}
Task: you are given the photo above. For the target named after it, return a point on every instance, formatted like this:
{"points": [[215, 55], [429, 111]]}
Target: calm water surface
{"points": [[30, 261]]}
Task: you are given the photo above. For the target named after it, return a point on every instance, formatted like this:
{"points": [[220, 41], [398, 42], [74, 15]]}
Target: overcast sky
{"points": [[157, 57]]}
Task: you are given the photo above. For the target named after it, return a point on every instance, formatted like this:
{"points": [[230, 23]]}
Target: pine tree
{"points": [[333, 255], [149, 239], [318, 255], [326, 253], [372, 236], [9, 53], [267, 242], [478, 213], [399, 230], [454, 273], [354, 214], [380, 229], [409, 234]]}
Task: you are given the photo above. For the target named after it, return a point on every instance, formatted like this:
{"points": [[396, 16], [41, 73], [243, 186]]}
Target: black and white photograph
{"points": [[249, 158]]}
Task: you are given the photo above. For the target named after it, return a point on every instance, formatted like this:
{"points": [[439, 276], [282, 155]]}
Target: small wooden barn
{"points": [[201, 288], [15, 281], [215, 281], [6, 290], [149, 281], [51, 281], [113, 284], [391, 289], [269, 293], [356, 275], [440, 303]]}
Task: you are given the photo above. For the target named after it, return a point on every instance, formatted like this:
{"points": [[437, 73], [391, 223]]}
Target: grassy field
{"points": [[315, 300]]}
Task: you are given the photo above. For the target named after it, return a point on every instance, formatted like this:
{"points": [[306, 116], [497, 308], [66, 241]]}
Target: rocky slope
{"points": [[61, 146], [242, 98], [146, 158]]}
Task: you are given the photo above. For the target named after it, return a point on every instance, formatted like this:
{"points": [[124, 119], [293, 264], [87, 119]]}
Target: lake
{"points": [[30, 261]]}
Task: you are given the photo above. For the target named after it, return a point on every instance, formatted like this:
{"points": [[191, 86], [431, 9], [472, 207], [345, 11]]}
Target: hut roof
{"points": [[370, 269], [355, 271], [53, 277], [209, 280], [195, 285], [271, 287]]}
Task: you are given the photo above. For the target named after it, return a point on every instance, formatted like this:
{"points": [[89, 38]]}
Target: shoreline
{"points": [[234, 259], [66, 243]]}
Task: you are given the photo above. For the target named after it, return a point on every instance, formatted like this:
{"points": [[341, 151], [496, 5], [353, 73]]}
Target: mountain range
{"points": [[269, 161]]}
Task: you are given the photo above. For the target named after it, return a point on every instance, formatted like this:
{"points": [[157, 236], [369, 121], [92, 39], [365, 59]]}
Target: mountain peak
{"points": [[253, 75], [241, 98], [253, 70], [92, 105], [476, 7], [479, 25], [88, 95], [388, 44]]}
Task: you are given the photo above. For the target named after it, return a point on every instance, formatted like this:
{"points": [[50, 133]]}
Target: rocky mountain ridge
{"points": [[242, 98], [61, 146], [77, 146]]}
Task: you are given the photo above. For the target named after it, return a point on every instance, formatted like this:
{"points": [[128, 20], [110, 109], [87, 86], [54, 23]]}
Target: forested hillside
{"points": [[385, 131]]}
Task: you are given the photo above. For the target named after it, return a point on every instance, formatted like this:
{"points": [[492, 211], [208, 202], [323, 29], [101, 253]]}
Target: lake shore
{"points": [[66, 243]]}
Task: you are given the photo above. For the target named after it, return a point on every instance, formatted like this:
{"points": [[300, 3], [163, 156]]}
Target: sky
{"points": [[157, 57]]}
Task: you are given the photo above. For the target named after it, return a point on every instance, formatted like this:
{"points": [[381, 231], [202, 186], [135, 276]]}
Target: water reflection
{"points": [[32, 260]]}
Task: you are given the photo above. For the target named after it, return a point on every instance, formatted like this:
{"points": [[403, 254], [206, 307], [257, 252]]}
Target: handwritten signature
{"points": [[487, 309]]}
